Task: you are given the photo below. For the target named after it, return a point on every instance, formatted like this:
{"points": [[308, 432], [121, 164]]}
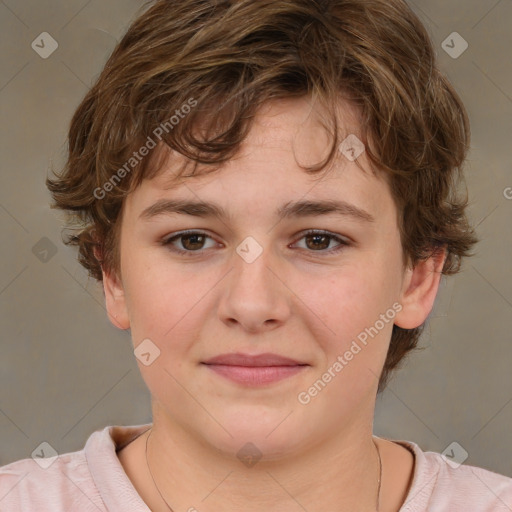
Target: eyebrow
{"points": [[290, 209]]}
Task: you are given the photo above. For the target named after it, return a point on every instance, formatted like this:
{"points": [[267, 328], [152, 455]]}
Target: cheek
{"points": [[151, 296], [345, 305], [164, 298], [161, 307], [352, 295]]}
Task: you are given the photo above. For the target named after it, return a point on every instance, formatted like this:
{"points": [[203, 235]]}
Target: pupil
{"points": [[195, 237], [317, 237]]}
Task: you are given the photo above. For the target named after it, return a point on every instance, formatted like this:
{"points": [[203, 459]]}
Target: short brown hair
{"points": [[231, 57]]}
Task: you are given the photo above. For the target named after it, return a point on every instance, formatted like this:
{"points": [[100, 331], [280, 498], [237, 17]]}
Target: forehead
{"points": [[284, 136]]}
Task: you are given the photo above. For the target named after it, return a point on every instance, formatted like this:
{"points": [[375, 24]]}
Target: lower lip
{"points": [[255, 375]]}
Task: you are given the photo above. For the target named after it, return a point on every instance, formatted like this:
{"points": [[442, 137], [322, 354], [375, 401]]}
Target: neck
{"points": [[342, 473]]}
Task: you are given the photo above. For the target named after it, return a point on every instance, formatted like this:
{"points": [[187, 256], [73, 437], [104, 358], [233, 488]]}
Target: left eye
{"points": [[194, 241], [321, 240]]}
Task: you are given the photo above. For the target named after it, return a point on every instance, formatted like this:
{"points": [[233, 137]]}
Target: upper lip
{"points": [[239, 359]]}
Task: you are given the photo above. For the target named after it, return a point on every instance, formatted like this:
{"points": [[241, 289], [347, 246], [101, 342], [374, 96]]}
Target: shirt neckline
{"points": [[119, 494]]}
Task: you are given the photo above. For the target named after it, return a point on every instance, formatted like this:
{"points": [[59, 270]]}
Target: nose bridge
{"points": [[252, 262], [251, 273], [255, 297]]}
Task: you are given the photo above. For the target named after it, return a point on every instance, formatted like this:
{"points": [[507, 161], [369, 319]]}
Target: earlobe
{"points": [[115, 301], [419, 291]]}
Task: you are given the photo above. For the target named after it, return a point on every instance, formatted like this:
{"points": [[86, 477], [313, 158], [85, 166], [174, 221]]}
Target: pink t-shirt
{"points": [[93, 480]]}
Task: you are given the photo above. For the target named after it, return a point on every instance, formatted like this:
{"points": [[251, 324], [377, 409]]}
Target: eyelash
{"points": [[343, 243]]}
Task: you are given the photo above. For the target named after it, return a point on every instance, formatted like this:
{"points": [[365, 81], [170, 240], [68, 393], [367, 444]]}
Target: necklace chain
{"points": [[171, 510], [152, 477]]}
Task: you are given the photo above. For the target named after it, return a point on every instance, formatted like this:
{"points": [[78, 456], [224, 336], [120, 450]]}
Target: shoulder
{"points": [[443, 485], [91, 479], [65, 484]]}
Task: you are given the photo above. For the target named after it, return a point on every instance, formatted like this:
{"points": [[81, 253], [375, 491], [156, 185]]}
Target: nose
{"points": [[255, 297]]}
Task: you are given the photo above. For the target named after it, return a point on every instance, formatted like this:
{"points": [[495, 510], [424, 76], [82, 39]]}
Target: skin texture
{"points": [[296, 299]]}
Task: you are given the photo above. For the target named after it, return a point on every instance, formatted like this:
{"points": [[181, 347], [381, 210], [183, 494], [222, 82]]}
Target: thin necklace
{"points": [[171, 510]]}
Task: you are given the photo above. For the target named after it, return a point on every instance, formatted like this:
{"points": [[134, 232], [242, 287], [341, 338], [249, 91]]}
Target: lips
{"points": [[239, 359], [257, 370]]}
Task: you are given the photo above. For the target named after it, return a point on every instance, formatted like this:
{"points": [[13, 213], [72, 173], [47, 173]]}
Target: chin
{"points": [[269, 437]]}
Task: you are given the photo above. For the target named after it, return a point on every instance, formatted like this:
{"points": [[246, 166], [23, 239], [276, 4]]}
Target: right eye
{"points": [[191, 241]]}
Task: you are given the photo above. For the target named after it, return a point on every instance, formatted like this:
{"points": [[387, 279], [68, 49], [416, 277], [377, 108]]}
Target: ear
{"points": [[115, 301], [419, 290]]}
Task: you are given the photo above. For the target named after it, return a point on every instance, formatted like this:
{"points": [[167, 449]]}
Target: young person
{"points": [[267, 192]]}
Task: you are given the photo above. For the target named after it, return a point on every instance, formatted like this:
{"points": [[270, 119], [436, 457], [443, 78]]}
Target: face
{"points": [[267, 277]]}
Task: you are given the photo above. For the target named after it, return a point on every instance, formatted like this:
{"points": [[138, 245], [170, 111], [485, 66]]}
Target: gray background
{"points": [[66, 371]]}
